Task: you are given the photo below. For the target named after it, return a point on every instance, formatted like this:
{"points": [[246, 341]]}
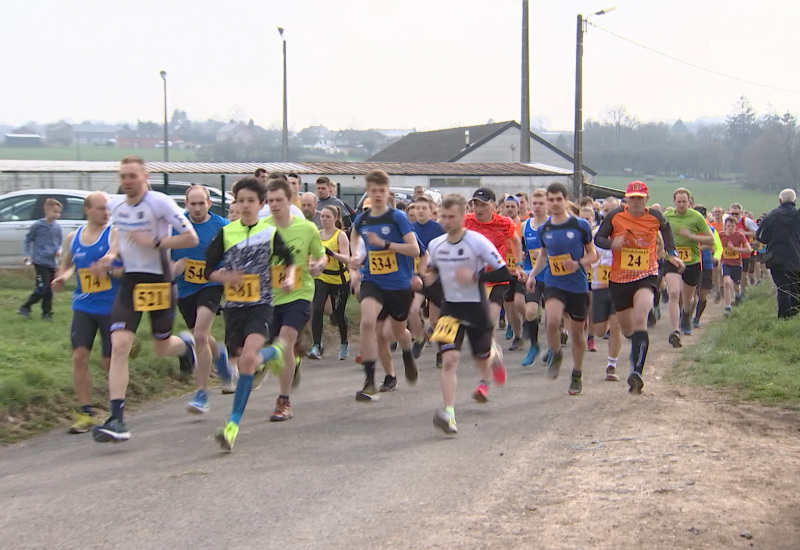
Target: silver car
{"points": [[19, 209]]}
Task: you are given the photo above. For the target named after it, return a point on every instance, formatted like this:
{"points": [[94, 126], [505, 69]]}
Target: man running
{"points": [[144, 220], [326, 193], [199, 299], [427, 230], [630, 232], [533, 247], [748, 228], [690, 230], [458, 259], [567, 248], [515, 310]]}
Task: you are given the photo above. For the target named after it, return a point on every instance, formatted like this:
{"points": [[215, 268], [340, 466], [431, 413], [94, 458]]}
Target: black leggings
{"points": [[339, 294]]}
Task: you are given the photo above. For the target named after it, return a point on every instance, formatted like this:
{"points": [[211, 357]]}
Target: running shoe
{"points": [[611, 374], [727, 312], [651, 317], [113, 431], [393, 346], [509, 332], [411, 367], [515, 344], [274, 365], [607, 335], [283, 410], [226, 436], [24, 312], [498, 368], [718, 298], [136, 347], [695, 323], [590, 345], [502, 323], [221, 365], [228, 388], [686, 325], [554, 365], [83, 422], [675, 339], [47, 317], [315, 352], [575, 386], [198, 405], [416, 348], [664, 296], [368, 393], [635, 383], [343, 351], [445, 422], [533, 352], [298, 374], [481, 393], [546, 357], [187, 360], [389, 384]]}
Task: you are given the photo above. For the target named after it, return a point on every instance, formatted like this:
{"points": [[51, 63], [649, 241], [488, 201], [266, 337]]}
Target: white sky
{"points": [[422, 64]]}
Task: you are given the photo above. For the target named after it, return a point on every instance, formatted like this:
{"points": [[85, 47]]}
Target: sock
{"points": [[701, 307], [577, 373], [240, 397], [612, 362], [286, 397], [117, 406], [86, 409], [451, 411], [369, 371], [640, 342], [532, 328]]}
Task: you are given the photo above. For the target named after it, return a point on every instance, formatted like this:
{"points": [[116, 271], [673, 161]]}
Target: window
{"points": [[71, 207], [18, 208]]}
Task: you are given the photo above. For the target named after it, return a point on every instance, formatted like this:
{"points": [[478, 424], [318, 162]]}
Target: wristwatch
{"points": [[156, 242]]}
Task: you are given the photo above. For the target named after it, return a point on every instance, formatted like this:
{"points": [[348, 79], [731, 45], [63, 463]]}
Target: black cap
{"points": [[484, 194]]}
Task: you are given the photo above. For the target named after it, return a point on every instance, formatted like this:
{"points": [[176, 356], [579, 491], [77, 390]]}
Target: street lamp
{"points": [[285, 135], [166, 126], [577, 177]]}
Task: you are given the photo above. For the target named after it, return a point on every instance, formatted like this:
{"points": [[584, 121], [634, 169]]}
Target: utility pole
{"points": [[285, 136], [525, 122]]}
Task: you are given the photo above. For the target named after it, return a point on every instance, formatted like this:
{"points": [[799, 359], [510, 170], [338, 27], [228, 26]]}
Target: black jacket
{"points": [[780, 231]]}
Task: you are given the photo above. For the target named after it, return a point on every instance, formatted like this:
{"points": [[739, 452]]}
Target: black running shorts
{"points": [[396, 303], [124, 317], [623, 293], [475, 324], [691, 276], [241, 322], [85, 327], [576, 304], [209, 297]]}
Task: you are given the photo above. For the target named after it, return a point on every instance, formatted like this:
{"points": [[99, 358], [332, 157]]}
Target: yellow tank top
{"points": [[335, 272]]}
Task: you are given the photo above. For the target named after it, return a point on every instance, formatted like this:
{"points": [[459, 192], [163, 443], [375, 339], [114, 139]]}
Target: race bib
{"points": [[91, 284], [589, 274], [534, 254], [729, 254], [279, 275], [151, 296], [634, 259], [416, 265], [603, 273], [249, 290], [557, 266], [382, 262], [193, 271], [684, 253], [510, 263], [446, 330]]}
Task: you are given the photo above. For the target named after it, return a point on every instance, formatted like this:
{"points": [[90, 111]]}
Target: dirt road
{"points": [[532, 468]]}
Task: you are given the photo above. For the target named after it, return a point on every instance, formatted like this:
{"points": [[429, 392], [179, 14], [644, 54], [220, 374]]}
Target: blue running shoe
{"points": [[533, 352], [509, 332], [343, 351], [113, 431], [199, 405], [221, 365]]}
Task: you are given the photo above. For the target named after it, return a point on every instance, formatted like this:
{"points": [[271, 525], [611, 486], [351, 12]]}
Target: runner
{"points": [[568, 249], [42, 247], [391, 245], [240, 257], [587, 213], [630, 232], [515, 310], [292, 308], [710, 255], [690, 230], [198, 299], [749, 228], [326, 193], [734, 244], [143, 219], [426, 230], [458, 259], [717, 222], [333, 283], [91, 302], [533, 247]]}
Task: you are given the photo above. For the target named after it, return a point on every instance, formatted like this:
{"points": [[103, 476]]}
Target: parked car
{"points": [[177, 192], [405, 194], [19, 209]]}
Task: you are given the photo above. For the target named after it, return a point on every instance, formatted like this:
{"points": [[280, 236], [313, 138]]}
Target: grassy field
{"points": [[707, 193], [86, 152], [753, 355]]}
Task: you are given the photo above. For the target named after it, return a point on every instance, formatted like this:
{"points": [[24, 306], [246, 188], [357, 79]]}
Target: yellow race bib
{"points": [[279, 275], [446, 330], [416, 265], [382, 262], [152, 296], [193, 271], [634, 259], [729, 254], [510, 263], [603, 273], [557, 266], [684, 253], [533, 255], [91, 284], [249, 290]]}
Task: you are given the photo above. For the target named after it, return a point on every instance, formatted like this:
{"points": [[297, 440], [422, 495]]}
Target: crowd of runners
{"points": [[423, 273]]}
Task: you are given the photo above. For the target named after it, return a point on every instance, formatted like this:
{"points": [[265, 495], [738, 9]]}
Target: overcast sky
{"points": [[421, 64]]}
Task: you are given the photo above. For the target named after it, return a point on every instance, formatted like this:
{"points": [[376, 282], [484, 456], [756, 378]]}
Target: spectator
{"points": [[308, 204], [781, 233]]}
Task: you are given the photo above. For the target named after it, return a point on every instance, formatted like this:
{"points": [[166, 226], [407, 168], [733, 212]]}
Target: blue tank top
{"points": [[83, 256], [206, 231], [707, 256], [387, 269], [530, 241]]}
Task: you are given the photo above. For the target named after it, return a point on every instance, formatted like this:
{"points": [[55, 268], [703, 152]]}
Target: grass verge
{"points": [[753, 355]]}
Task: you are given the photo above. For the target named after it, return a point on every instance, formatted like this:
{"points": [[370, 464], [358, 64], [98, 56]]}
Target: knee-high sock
{"points": [[640, 342]]}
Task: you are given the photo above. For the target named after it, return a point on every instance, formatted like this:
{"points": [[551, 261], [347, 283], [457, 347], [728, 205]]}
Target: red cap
{"points": [[637, 189]]}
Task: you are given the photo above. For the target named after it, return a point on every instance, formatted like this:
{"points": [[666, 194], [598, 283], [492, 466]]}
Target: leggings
{"points": [[339, 294]]}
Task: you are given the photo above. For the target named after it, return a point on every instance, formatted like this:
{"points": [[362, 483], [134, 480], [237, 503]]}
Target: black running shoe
{"points": [[368, 393], [411, 367], [635, 383], [389, 384], [675, 339], [113, 431], [515, 343], [418, 345]]}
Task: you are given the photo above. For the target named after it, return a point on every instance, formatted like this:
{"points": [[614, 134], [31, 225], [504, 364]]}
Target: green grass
{"points": [[93, 152], [707, 193], [753, 355]]}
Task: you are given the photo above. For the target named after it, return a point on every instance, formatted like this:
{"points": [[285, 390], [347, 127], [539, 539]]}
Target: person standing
{"points": [[42, 247], [780, 231]]}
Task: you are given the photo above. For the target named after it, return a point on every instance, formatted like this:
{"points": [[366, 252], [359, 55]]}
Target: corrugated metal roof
{"points": [[324, 168]]}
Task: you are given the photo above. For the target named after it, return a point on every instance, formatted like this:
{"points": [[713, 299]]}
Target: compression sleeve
{"points": [[214, 254], [282, 251], [499, 275], [603, 236], [666, 233]]}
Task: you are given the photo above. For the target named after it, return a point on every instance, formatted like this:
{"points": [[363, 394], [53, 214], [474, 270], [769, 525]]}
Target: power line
{"points": [[673, 58]]}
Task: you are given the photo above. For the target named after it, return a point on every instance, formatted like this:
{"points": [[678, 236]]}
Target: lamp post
{"points": [[577, 177], [525, 121], [166, 121], [285, 135]]}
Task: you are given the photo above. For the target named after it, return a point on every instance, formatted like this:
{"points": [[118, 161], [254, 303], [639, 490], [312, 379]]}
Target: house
{"points": [[90, 133], [23, 137], [496, 142], [243, 134], [59, 133], [139, 139]]}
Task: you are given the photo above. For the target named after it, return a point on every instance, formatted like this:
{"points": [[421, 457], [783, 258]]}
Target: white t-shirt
{"points": [[473, 251], [155, 215]]}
